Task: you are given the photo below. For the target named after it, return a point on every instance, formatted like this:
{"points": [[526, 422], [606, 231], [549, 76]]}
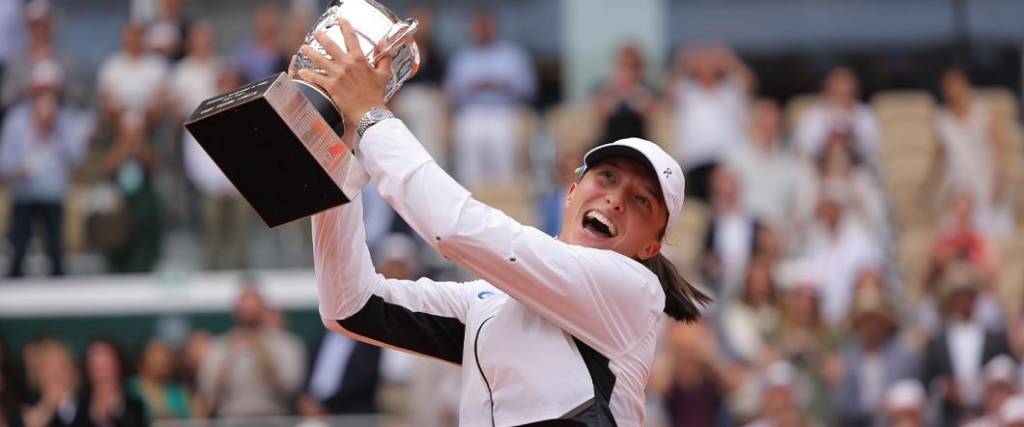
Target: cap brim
{"points": [[613, 151]]}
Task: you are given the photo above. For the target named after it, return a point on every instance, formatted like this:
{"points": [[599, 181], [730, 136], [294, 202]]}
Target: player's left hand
{"points": [[352, 82]]}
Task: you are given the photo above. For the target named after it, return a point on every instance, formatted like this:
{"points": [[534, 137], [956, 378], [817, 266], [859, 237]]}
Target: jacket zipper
{"points": [[476, 354]]}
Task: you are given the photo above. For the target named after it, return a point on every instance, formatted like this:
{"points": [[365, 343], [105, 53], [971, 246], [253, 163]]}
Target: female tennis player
{"points": [[557, 331]]}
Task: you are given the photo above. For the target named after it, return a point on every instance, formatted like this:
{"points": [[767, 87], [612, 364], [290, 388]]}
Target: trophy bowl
{"points": [[279, 140], [380, 32]]}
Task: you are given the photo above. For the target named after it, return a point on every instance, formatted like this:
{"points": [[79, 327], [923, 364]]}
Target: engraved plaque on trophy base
{"points": [[276, 148]]}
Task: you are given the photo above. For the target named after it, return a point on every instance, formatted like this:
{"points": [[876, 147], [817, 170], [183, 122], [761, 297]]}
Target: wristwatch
{"points": [[372, 117]]}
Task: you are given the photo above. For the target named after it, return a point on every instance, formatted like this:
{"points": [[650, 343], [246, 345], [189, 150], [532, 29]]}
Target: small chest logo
{"points": [[484, 294], [667, 172]]}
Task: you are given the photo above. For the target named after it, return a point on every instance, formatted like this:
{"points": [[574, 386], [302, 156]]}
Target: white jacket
{"points": [[553, 331]]}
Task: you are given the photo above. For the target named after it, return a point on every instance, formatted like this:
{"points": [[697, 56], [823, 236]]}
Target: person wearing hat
{"points": [[1000, 381], [905, 404], [872, 361], [558, 330], [955, 356], [1011, 413], [41, 142]]}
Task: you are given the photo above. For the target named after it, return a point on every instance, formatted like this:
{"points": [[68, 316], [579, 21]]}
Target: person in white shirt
{"points": [[840, 247], [486, 84], [774, 180], [557, 329], [970, 152], [194, 79], [710, 93], [225, 216], [131, 79], [839, 109]]}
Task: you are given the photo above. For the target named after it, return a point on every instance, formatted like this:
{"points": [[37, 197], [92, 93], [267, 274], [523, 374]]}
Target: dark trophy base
{"points": [[279, 143]]}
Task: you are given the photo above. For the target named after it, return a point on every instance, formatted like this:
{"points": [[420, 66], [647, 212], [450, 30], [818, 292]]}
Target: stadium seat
{"points": [[514, 198], [572, 124]]}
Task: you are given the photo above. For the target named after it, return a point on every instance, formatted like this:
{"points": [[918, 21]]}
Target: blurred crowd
{"points": [[865, 258]]}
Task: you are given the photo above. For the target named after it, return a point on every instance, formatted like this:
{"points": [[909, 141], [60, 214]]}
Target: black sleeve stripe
{"points": [[391, 324]]}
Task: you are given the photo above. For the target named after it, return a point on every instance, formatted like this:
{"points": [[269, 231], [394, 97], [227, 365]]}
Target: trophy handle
{"points": [[395, 38]]}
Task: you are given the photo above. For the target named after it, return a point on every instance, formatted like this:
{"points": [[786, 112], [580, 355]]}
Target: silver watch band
{"points": [[372, 117]]}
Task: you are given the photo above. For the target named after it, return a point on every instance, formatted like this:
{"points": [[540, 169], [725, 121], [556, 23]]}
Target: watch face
{"points": [[378, 114]]}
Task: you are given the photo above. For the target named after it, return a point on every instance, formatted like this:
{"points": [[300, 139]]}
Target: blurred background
{"points": [[855, 201]]}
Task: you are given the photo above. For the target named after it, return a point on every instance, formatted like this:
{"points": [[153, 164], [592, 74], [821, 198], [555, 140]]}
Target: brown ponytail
{"points": [[681, 298]]}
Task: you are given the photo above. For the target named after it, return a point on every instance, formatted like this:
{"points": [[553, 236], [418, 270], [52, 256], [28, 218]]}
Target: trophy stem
{"points": [[324, 105]]}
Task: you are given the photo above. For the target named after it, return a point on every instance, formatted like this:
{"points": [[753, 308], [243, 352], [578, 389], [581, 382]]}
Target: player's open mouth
{"points": [[598, 224]]}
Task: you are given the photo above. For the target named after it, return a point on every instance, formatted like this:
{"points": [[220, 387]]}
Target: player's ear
{"points": [[569, 193]]}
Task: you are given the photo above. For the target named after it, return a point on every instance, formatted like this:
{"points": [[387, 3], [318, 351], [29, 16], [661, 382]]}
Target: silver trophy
{"points": [[279, 140], [376, 27]]}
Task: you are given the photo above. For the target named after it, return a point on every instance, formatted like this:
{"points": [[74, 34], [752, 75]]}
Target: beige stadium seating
{"points": [[572, 125], [662, 127], [687, 238], [528, 125], [796, 107], [906, 120], [513, 198], [1006, 107]]}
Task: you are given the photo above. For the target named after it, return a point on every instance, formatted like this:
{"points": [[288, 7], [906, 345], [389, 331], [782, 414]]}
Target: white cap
{"points": [[1001, 369], [802, 273], [662, 165], [904, 394], [1012, 410], [779, 374]]}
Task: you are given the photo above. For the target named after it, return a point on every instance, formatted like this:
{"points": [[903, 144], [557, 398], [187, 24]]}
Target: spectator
{"points": [[166, 35], [40, 21], [57, 402], [709, 91], [130, 163], [106, 400], [841, 169], [40, 144], [905, 404], [552, 203], [162, 397], [487, 83], [347, 374], [262, 55], [421, 103], [14, 36], [873, 361], [194, 79], [11, 44], [1012, 412], [805, 339], [959, 241], [195, 350], [954, 358], [970, 156], [772, 177], [730, 237], [841, 248], [131, 79], [1000, 384], [695, 379], [226, 217], [839, 110], [750, 325], [781, 396], [252, 371], [11, 393], [623, 103]]}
